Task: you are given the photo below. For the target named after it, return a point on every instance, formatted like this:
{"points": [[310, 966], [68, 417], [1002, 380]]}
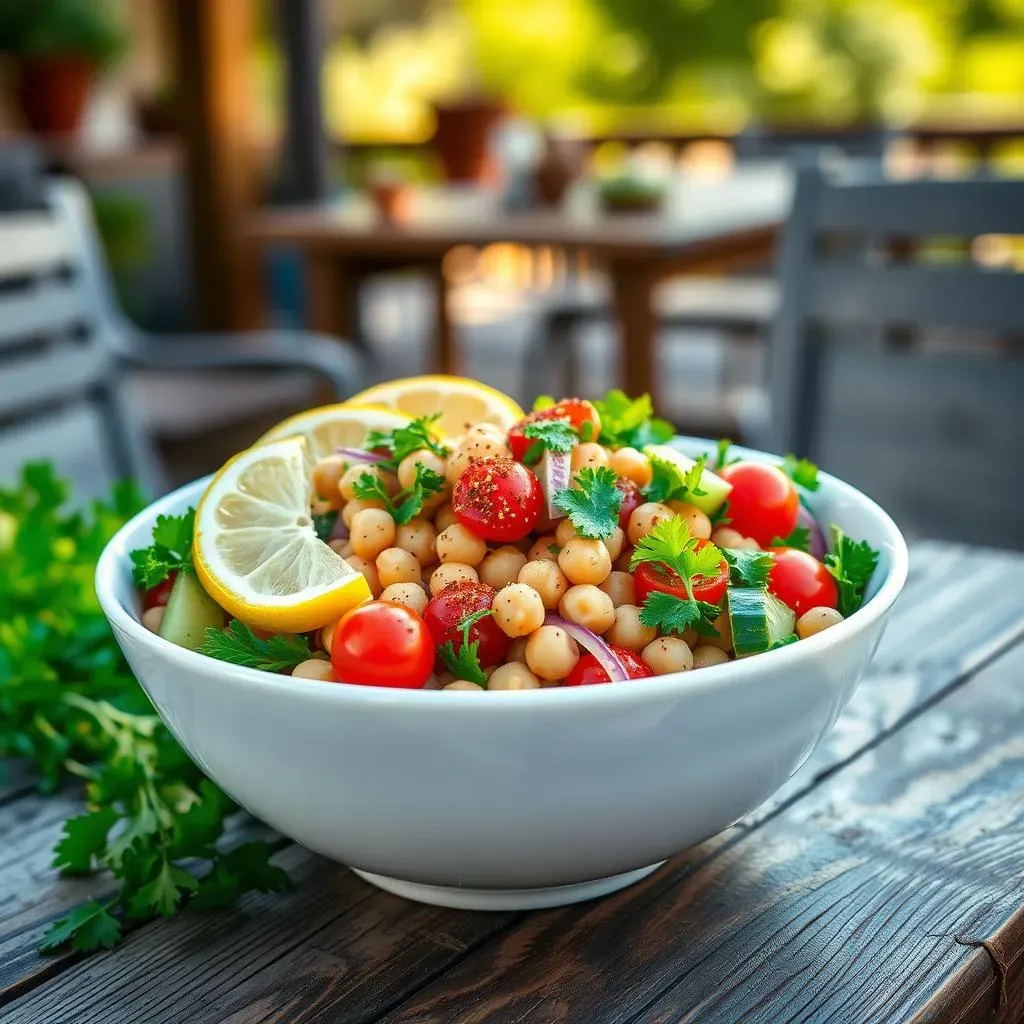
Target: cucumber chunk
{"points": [[759, 620], [717, 489], [190, 612]]}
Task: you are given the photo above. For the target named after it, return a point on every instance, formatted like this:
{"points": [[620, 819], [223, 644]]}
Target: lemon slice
{"points": [[461, 401], [335, 426], [255, 549]]}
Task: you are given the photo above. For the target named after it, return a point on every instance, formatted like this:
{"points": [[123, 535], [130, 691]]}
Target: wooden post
{"points": [[213, 50]]}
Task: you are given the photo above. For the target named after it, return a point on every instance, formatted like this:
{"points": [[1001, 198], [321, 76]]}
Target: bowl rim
{"points": [[730, 676]]}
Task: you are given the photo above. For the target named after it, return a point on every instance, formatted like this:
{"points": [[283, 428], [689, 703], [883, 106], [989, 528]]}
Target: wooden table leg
{"points": [[444, 358], [633, 285]]}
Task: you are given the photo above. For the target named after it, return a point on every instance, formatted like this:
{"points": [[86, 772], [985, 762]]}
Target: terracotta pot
{"points": [[558, 169], [461, 139], [52, 91]]}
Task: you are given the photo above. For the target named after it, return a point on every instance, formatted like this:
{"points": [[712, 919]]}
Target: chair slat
{"points": [[43, 309], [33, 243], [30, 381], [957, 297]]}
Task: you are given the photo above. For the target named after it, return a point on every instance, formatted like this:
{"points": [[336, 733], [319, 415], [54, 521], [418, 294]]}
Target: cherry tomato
{"points": [[446, 611], [763, 503], [576, 410], [588, 669], [382, 644], [652, 576], [801, 581], [158, 596], [631, 498], [498, 499]]}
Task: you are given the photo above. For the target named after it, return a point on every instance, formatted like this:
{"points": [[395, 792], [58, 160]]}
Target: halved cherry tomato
{"points": [[498, 499], [763, 503], [652, 576], [588, 669], [158, 596], [801, 581], [576, 410], [631, 498], [382, 644], [447, 610]]}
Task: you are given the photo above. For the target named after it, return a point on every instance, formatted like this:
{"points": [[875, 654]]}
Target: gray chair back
{"points": [[850, 261], [59, 332]]}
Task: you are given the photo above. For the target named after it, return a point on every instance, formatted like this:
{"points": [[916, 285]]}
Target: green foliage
{"points": [[852, 564], [407, 504], [240, 646], [593, 503], [464, 663], [41, 28], [631, 422]]}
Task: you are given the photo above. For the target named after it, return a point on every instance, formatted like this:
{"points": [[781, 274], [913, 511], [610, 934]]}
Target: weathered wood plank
{"points": [[843, 908]]}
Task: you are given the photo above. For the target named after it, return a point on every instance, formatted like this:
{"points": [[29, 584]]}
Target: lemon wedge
{"points": [[462, 402], [256, 551]]}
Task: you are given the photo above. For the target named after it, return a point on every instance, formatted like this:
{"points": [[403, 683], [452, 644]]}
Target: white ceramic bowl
{"points": [[508, 800]]}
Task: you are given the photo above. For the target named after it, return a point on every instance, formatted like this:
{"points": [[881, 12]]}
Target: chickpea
{"points": [[320, 506], [326, 636], [451, 572], [588, 455], [480, 444], [369, 571], [517, 649], [357, 505], [547, 579], [814, 620], [541, 548], [456, 465], [351, 476], [690, 637], [153, 618], [418, 538], [462, 684], [551, 653], [615, 543], [628, 631], [315, 668], [396, 565], [584, 560], [483, 432], [327, 474], [409, 595], [341, 547], [564, 532], [501, 566], [373, 530], [645, 517], [423, 457], [706, 655], [633, 465], [723, 627], [668, 654], [518, 610], [460, 544], [620, 588], [589, 606], [750, 544], [444, 518], [697, 521], [726, 537], [513, 675]]}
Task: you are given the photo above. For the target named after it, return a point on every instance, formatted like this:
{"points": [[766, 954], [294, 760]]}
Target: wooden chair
{"points": [[854, 258], [65, 343]]}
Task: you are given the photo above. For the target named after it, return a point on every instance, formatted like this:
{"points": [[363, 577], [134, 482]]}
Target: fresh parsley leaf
{"points": [[593, 504], [586, 431], [800, 538], [670, 483], [240, 646], [88, 927], [407, 504], [555, 435], [722, 453], [324, 524], [403, 441], [721, 517], [748, 568], [84, 840], [162, 894], [852, 564], [247, 868], [464, 663], [631, 422], [673, 614], [801, 471], [784, 642], [170, 551], [543, 402], [555, 549]]}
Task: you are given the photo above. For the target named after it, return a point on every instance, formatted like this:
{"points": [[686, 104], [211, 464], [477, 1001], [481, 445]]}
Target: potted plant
{"points": [[60, 47]]}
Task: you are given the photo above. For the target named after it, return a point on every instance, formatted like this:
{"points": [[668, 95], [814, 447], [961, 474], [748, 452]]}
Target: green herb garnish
{"points": [[239, 645], [403, 441], [324, 524], [631, 422], [407, 504], [593, 503], [464, 663], [801, 471], [670, 483], [748, 568], [852, 564], [171, 550], [800, 538], [551, 435]]}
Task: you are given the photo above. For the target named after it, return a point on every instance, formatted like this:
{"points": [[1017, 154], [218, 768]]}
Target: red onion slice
{"points": [[553, 472], [817, 544], [358, 455], [592, 644], [339, 531]]}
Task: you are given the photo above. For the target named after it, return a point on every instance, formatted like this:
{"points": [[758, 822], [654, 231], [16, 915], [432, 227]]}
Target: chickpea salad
{"points": [[429, 533]]}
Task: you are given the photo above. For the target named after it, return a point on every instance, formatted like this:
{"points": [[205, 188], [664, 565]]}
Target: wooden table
{"points": [[883, 884], [706, 226]]}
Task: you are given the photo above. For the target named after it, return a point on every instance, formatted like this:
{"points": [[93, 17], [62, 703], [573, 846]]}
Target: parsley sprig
{"points": [[464, 663], [403, 441], [239, 645], [631, 422], [852, 564], [551, 435], [802, 472], [671, 546], [593, 503], [406, 504], [670, 483], [171, 550], [748, 568], [800, 538]]}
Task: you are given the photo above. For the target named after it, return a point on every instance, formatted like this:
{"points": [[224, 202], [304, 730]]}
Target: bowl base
{"points": [[506, 899]]}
